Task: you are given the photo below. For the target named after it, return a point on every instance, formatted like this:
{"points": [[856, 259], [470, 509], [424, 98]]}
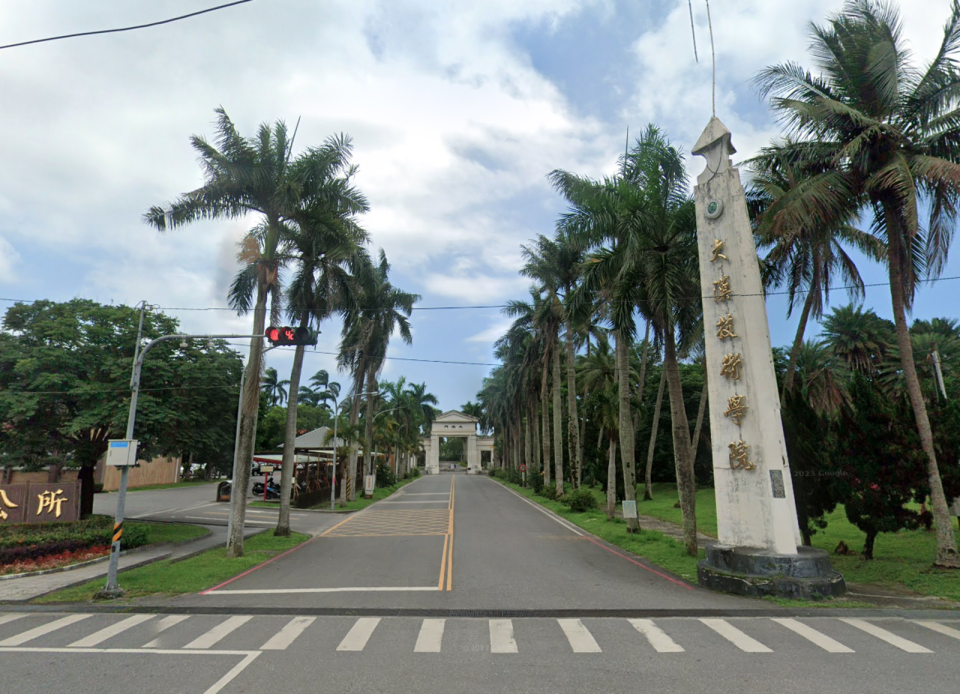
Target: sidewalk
{"points": [[29, 587]]}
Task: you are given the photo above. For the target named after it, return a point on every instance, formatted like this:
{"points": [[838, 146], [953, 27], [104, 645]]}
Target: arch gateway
{"points": [[460, 425]]}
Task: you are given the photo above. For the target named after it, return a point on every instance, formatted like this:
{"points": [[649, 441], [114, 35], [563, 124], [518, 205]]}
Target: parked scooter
{"points": [[273, 489]]}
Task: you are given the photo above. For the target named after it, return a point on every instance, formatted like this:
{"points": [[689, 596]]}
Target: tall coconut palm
{"points": [[808, 258], [244, 176], [275, 389], [598, 378], [324, 244], [325, 388], [542, 263], [888, 138], [379, 310]]}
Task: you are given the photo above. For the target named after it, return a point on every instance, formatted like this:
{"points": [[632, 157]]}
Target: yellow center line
{"points": [[450, 559]]}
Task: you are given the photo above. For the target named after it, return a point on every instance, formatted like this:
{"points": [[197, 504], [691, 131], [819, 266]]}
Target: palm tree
{"points": [[379, 309], [275, 389], [598, 378], [325, 388], [542, 263], [859, 338], [808, 258], [244, 176], [887, 138]]}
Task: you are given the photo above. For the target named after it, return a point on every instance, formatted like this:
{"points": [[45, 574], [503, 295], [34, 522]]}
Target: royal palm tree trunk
{"points": [[946, 540], [576, 452], [535, 429], [368, 425], [248, 420], [704, 394], [557, 420], [654, 428], [626, 425], [527, 448], [545, 418], [686, 482], [797, 344], [643, 375], [583, 435], [612, 477], [289, 441], [348, 492]]}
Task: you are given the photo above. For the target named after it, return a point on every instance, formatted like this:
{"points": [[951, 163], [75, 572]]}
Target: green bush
{"points": [[548, 491], [385, 476], [581, 500], [23, 542], [535, 481]]}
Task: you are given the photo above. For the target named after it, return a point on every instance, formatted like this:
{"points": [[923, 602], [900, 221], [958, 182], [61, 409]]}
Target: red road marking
{"points": [[258, 566], [642, 566]]}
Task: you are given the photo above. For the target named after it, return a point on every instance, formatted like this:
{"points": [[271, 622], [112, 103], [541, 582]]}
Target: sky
{"points": [[457, 109]]}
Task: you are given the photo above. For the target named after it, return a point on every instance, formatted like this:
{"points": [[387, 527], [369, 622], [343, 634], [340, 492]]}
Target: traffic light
{"points": [[290, 336]]}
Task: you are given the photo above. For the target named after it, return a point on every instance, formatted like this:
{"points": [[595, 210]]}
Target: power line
{"points": [[130, 28], [426, 361], [932, 280]]}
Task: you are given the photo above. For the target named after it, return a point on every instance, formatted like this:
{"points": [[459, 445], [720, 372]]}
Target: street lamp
{"points": [[111, 589]]}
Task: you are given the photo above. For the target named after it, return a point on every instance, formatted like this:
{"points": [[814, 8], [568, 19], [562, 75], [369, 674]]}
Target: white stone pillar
{"points": [[755, 503], [433, 455], [473, 457]]}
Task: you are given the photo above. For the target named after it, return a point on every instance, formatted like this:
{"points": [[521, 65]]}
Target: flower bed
{"points": [[55, 561], [37, 544]]}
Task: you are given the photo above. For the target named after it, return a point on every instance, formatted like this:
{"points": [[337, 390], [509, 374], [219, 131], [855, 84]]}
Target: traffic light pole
{"points": [[112, 590]]}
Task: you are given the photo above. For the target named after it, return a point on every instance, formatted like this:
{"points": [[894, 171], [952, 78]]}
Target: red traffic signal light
{"points": [[290, 336]]}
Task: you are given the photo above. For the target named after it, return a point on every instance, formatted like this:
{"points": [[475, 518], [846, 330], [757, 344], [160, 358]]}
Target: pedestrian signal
{"points": [[290, 336]]}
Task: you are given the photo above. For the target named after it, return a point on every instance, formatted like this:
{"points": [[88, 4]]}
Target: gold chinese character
{"points": [[717, 247], [739, 456], [736, 408], [51, 501], [721, 289], [731, 366], [6, 502], [725, 327]]}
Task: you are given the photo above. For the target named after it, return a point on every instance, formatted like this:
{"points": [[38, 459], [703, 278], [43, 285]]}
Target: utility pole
{"points": [[112, 590]]}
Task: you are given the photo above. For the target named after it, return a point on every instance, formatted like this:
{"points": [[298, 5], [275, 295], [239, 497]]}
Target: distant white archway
{"points": [[460, 425]]}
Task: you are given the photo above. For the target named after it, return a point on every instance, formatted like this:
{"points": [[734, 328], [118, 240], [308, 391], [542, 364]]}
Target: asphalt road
{"points": [[196, 504], [458, 585]]}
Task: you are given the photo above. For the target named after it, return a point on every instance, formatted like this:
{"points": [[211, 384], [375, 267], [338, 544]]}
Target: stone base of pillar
{"points": [[431, 469], [473, 470], [758, 573]]}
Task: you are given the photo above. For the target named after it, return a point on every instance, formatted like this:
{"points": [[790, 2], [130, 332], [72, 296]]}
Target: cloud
{"points": [[9, 262]]}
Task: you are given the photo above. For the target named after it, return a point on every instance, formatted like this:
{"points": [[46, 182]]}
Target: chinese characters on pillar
{"points": [[732, 363]]}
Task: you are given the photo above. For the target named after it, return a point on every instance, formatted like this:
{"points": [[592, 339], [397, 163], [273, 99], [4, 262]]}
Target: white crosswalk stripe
{"points": [[666, 635], [813, 636], [356, 639], [99, 637], [745, 643], [431, 636], [501, 636], [6, 618], [884, 635], [164, 624], [656, 636], [581, 640], [44, 629], [219, 632], [289, 634], [938, 627]]}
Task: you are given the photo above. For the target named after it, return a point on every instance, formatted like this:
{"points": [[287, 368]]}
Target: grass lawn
{"points": [[188, 576], [158, 533], [901, 560], [658, 548]]}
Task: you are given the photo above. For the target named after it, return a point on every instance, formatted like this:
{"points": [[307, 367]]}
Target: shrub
{"points": [[548, 491], [536, 482], [32, 542], [580, 501], [385, 476]]}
